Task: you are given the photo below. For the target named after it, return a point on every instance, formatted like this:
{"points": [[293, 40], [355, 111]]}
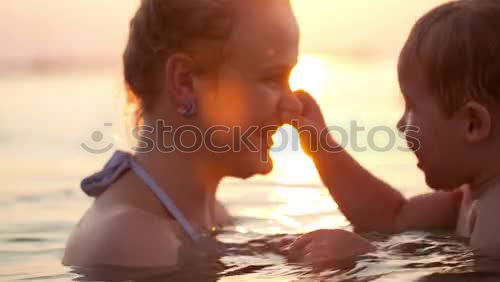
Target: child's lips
{"points": [[419, 162], [411, 146]]}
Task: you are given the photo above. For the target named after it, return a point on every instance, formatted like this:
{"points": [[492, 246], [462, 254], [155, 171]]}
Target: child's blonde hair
{"points": [[457, 46]]}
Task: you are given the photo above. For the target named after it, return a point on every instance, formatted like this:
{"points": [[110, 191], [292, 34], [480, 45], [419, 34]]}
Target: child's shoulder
{"points": [[488, 203], [486, 230]]}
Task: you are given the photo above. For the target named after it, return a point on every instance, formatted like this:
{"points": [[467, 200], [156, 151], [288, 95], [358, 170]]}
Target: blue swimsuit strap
{"points": [[122, 161]]}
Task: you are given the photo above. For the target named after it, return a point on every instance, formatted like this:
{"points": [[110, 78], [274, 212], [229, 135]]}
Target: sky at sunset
{"points": [[96, 29]]}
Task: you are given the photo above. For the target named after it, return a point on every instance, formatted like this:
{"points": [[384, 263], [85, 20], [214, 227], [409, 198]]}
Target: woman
{"points": [[196, 63]]}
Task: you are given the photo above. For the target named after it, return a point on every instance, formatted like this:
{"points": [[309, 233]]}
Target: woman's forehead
{"points": [[264, 33]]}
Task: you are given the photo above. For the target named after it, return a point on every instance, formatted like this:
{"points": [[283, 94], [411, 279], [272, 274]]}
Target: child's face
{"points": [[441, 150]]}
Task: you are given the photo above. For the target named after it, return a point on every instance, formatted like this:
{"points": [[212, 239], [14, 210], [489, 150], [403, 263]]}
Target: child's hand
{"points": [[311, 112], [323, 247], [308, 121]]}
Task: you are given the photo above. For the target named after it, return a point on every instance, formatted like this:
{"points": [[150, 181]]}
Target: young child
{"points": [[449, 74]]}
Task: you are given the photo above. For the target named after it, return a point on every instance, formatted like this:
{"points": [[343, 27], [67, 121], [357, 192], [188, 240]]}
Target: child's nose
{"points": [[401, 124]]}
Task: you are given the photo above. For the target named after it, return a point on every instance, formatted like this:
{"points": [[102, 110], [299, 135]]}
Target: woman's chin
{"points": [[252, 167], [266, 167]]}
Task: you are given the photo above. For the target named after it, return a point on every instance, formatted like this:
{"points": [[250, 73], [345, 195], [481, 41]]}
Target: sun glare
{"points": [[292, 165], [310, 74]]}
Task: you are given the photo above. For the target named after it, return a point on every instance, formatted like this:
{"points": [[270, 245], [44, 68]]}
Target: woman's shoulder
{"points": [[123, 236]]}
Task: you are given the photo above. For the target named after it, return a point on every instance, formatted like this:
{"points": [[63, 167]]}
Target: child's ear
{"points": [[477, 126]]}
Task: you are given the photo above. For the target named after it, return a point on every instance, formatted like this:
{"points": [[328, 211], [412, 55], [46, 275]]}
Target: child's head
{"points": [[449, 73]]}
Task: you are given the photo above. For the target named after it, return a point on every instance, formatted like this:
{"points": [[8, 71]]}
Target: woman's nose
{"points": [[289, 106]]}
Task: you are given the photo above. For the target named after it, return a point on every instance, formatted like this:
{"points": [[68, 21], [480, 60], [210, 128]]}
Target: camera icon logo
{"points": [[97, 137]]}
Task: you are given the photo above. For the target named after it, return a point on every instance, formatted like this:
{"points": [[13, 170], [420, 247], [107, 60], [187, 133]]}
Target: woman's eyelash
{"points": [[276, 78]]}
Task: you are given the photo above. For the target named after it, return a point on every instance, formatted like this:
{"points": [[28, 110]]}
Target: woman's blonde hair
{"points": [[161, 28]]}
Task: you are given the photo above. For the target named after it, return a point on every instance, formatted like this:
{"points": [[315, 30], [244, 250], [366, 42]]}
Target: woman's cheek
{"points": [[226, 107], [260, 106]]}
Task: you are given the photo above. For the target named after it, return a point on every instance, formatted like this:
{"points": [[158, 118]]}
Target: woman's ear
{"points": [[477, 122], [180, 79]]}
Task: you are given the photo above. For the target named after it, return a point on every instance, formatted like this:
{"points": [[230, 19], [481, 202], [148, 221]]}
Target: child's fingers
{"points": [[287, 117], [306, 99], [309, 258], [298, 254], [302, 93], [290, 107], [301, 242], [286, 241]]}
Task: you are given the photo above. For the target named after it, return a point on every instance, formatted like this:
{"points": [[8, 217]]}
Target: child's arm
{"points": [[368, 202]]}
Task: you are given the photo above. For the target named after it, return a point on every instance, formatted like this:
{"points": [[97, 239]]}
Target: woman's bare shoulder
{"points": [[123, 237]]}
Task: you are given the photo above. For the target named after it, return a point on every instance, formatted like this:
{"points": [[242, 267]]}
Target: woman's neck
{"points": [[187, 180]]}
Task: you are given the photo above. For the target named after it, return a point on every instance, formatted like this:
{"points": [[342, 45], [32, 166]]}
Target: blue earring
{"points": [[188, 110]]}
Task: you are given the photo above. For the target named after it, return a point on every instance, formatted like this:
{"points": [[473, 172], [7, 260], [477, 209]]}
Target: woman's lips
{"points": [[266, 136], [267, 141]]}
